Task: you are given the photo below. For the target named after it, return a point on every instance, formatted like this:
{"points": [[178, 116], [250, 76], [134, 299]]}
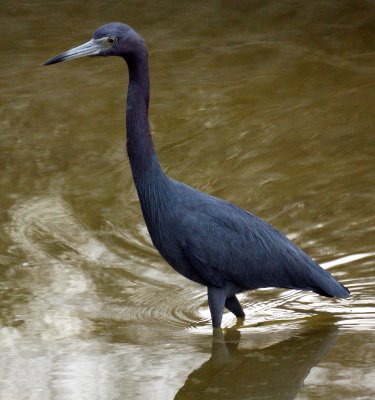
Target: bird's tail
{"points": [[330, 287], [341, 292]]}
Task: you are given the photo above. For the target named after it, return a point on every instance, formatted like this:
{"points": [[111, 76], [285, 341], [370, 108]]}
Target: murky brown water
{"points": [[269, 104]]}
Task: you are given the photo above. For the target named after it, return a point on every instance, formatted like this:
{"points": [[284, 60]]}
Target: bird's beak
{"points": [[91, 48]]}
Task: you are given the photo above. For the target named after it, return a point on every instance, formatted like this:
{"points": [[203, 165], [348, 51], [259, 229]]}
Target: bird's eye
{"points": [[111, 40]]}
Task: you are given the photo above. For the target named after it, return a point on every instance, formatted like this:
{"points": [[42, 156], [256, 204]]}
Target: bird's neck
{"points": [[139, 142], [144, 163]]}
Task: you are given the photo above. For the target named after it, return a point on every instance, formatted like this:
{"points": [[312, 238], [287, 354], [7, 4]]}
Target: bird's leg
{"points": [[234, 306], [216, 301]]}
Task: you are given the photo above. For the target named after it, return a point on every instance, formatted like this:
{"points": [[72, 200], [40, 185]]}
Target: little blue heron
{"points": [[206, 239]]}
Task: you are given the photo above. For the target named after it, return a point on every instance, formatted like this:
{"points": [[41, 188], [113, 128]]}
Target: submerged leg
{"points": [[234, 306], [216, 301]]}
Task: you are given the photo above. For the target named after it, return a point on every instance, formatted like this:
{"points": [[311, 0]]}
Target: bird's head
{"points": [[114, 39]]}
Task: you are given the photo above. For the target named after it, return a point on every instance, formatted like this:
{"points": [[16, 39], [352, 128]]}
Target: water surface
{"points": [[265, 104]]}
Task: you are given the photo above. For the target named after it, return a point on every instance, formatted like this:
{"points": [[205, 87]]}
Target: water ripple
{"points": [[78, 267]]}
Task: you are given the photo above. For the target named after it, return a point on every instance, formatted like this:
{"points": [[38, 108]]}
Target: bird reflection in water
{"points": [[276, 371]]}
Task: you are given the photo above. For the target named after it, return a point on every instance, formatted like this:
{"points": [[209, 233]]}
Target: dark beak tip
{"points": [[53, 60]]}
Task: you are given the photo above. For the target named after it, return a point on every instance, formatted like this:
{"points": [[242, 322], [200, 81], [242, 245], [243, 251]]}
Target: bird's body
{"points": [[206, 239]]}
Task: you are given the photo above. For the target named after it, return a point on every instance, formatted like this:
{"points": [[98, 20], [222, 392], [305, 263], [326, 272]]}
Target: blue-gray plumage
{"points": [[206, 239]]}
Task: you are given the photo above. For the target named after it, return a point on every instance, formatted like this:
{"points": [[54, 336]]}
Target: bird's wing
{"points": [[224, 242]]}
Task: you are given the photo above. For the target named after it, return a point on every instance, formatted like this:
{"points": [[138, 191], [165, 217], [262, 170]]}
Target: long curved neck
{"points": [[139, 142], [150, 180]]}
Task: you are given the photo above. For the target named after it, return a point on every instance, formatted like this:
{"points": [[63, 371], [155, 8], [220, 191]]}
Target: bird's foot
{"points": [[240, 322]]}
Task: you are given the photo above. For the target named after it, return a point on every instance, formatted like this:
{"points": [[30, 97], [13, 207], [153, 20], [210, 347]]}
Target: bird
{"points": [[206, 239]]}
